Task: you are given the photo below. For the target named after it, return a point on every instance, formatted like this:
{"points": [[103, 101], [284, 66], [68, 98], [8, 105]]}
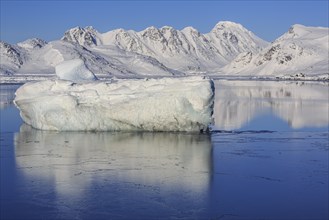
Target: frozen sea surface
{"points": [[266, 159]]}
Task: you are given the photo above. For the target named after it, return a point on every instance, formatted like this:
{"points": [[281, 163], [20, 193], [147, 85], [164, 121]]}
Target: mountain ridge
{"points": [[301, 50], [228, 49]]}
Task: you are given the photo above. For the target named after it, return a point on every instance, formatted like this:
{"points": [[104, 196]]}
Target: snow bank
{"points": [[168, 104], [74, 70]]}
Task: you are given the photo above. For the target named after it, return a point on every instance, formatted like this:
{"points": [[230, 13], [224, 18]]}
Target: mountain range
{"points": [[228, 49]]}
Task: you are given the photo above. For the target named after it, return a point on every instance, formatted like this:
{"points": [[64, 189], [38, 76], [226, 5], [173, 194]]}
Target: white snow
{"points": [[33, 43], [74, 70], [301, 53], [228, 50], [167, 104]]}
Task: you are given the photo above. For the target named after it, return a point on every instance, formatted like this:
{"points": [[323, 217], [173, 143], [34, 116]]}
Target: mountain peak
{"points": [[234, 39], [167, 28], [190, 29], [227, 25], [297, 26], [32, 43], [81, 29], [10, 53], [119, 30], [91, 29], [298, 31], [151, 32], [76, 28], [83, 36], [151, 28]]}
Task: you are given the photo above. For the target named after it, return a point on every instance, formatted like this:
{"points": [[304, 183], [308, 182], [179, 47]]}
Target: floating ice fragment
{"points": [[168, 104], [74, 70]]}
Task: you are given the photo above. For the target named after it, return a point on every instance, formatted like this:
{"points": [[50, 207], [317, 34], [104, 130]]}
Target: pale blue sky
{"points": [[48, 20]]}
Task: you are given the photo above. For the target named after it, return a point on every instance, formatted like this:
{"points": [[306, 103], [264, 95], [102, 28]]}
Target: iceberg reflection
{"points": [[73, 161], [7, 95], [299, 104]]}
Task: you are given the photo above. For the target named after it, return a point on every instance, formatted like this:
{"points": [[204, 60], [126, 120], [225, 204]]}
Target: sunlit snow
{"points": [[167, 104], [229, 50], [74, 70]]}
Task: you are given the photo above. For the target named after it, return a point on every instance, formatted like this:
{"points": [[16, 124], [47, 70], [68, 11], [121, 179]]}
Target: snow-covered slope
{"points": [[227, 50], [87, 36], [27, 61], [302, 51], [11, 58], [157, 52], [232, 39], [32, 43], [187, 50], [40, 62]]}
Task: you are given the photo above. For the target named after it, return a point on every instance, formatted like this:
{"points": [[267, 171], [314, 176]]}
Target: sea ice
{"points": [[74, 70], [167, 104]]}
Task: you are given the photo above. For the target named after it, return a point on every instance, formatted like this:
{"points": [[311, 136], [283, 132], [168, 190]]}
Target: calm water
{"points": [[266, 159]]}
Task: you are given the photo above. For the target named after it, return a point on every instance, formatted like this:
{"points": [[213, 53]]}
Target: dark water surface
{"points": [[267, 159]]}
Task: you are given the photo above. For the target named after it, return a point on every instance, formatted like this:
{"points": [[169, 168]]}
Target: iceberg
{"points": [[74, 70], [166, 104]]}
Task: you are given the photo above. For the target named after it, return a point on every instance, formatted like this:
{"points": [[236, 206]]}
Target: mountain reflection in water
{"points": [[111, 171], [234, 174], [299, 104]]}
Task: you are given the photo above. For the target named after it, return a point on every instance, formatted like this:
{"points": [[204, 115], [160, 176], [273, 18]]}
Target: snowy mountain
{"points": [[187, 50], [301, 52], [27, 61], [11, 58], [84, 36], [32, 43], [232, 39], [14, 57], [227, 50]]}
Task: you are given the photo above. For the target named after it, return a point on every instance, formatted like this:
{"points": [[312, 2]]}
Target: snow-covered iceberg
{"points": [[167, 104], [74, 70]]}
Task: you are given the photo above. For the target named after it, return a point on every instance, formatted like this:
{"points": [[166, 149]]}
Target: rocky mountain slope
{"points": [[301, 52], [227, 50], [188, 50]]}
